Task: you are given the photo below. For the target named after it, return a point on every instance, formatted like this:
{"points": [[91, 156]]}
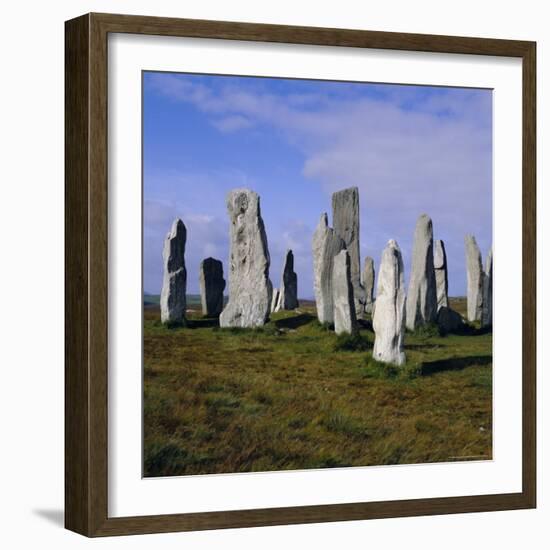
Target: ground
{"points": [[293, 395]]}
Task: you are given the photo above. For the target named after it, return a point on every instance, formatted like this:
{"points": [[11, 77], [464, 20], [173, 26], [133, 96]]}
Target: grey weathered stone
{"points": [[441, 277], [448, 320], [326, 244], [368, 284], [275, 300], [212, 285], [422, 295], [345, 219], [487, 306], [389, 314], [174, 283], [250, 290], [342, 294], [289, 284], [474, 272]]}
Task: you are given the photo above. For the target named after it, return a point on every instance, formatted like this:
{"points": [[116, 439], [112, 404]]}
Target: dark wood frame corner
{"points": [[86, 273]]}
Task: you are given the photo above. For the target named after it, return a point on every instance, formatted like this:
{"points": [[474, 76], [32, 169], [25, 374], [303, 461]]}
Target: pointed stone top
{"points": [[424, 221], [177, 227], [242, 190], [470, 238], [368, 264], [324, 219], [392, 243], [353, 189], [211, 260], [289, 260]]}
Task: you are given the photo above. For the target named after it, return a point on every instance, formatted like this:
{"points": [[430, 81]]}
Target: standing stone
{"points": [[368, 284], [289, 284], [441, 277], [275, 300], [250, 290], [389, 314], [345, 218], [474, 273], [487, 307], [326, 244], [342, 294], [212, 285], [174, 283], [422, 295]]}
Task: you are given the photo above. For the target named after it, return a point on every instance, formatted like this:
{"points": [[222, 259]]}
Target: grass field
{"points": [[293, 395]]}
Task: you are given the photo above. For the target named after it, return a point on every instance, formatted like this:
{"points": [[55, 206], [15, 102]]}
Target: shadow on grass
{"points": [[206, 322], [421, 347], [295, 322], [471, 330], [454, 363]]}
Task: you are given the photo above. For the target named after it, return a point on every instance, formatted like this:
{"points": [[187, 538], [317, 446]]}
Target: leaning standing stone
{"points": [[250, 290], [342, 292], [172, 297], [474, 273], [345, 218], [487, 306], [422, 295], [441, 277], [275, 300], [326, 244], [389, 314], [289, 284], [212, 285], [368, 284]]}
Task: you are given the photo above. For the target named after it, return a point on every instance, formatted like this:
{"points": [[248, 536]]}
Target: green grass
{"points": [[293, 395], [352, 342]]}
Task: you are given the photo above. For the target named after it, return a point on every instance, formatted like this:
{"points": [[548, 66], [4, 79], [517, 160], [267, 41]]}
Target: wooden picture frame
{"points": [[86, 321]]}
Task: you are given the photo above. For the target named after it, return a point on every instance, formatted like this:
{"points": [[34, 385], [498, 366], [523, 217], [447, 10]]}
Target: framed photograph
{"points": [[300, 274]]}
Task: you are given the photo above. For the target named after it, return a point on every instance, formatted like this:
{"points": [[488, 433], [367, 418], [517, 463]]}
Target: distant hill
{"points": [[153, 300]]}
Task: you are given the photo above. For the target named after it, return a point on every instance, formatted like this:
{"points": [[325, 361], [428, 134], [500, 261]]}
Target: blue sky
{"points": [[409, 149]]}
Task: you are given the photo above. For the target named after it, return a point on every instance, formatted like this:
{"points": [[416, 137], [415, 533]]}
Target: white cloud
{"points": [[232, 123]]}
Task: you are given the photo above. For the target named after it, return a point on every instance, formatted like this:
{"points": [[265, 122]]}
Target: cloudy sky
{"points": [[409, 149]]}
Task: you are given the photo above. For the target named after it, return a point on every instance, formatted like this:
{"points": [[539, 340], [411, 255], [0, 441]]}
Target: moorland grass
{"points": [[293, 395]]}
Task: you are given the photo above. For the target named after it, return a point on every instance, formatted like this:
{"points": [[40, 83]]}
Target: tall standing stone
{"points": [[441, 277], [345, 218], [368, 283], [389, 314], [174, 283], [326, 244], [487, 307], [289, 284], [212, 285], [250, 290], [474, 273], [422, 295], [342, 294]]}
